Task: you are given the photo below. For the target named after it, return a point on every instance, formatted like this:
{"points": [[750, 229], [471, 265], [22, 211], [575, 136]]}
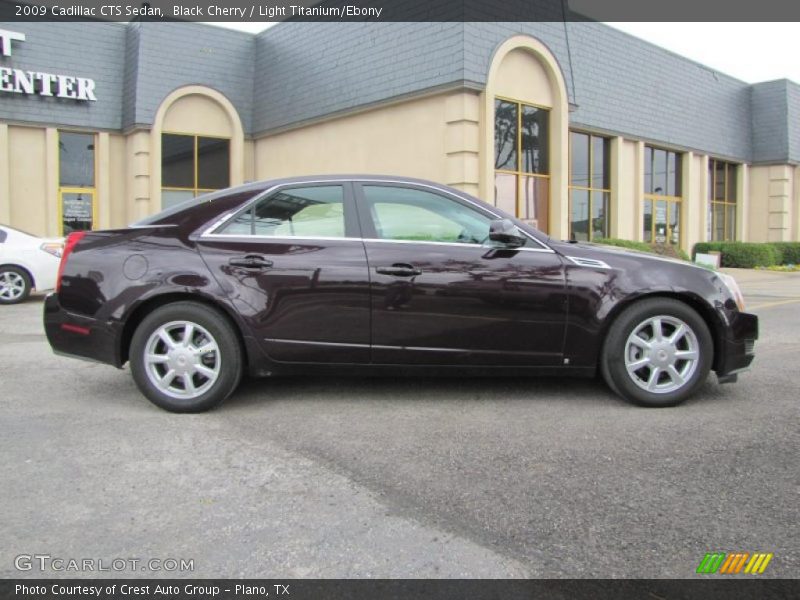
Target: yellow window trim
{"points": [[728, 229], [195, 136], [518, 172], [582, 188], [72, 189]]}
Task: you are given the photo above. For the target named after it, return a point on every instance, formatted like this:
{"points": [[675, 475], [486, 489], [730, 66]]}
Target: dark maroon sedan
{"points": [[376, 275]]}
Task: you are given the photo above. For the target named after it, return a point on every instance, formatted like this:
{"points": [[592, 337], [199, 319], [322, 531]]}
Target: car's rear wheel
{"points": [[185, 357], [657, 353], [15, 285]]}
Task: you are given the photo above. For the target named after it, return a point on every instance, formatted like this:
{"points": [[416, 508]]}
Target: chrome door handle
{"points": [[399, 270], [251, 261]]}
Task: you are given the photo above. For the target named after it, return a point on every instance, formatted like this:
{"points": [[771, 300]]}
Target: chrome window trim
{"points": [[280, 238], [459, 245], [209, 231]]}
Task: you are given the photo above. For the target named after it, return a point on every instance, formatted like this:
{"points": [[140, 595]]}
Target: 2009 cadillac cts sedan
{"points": [[376, 275]]}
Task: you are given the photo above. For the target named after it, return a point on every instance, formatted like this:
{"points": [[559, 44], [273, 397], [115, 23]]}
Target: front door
{"points": [[295, 268], [443, 294]]}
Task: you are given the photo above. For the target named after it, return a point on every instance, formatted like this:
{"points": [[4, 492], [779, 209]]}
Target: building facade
{"points": [[578, 128]]}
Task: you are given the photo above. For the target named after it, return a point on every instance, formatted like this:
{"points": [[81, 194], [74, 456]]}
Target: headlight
{"points": [[54, 248], [733, 288]]}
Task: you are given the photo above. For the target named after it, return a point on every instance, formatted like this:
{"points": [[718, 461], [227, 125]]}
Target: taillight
{"points": [[72, 241], [54, 248]]}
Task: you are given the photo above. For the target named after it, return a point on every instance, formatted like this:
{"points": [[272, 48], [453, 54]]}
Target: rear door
{"points": [[442, 293], [294, 265]]}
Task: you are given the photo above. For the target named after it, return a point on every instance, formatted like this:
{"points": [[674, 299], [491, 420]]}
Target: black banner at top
{"points": [[400, 10]]}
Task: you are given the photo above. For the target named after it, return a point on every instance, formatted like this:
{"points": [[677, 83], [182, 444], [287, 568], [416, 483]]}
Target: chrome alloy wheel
{"points": [[661, 354], [182, 359], [12, 285]]}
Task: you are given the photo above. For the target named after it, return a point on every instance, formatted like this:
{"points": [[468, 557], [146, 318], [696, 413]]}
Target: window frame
{"points": [[197, 191], [518, 173], [352, 229], [371, 235], [69, 189], [367, 218], [589, 178], [356, 226], [726, 203], [671, 200]]}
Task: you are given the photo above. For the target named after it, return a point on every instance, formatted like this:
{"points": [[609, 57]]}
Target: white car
{"points": [[27, 263]]}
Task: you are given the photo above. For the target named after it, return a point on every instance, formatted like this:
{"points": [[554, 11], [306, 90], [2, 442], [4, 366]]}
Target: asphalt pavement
{"points": [[401, 477]]}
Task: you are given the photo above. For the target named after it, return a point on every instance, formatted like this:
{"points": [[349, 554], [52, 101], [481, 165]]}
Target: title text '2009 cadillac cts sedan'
{"points": [[376, 275]]}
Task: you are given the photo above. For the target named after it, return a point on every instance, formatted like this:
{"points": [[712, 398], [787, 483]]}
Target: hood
{"points": [[609, 253]]}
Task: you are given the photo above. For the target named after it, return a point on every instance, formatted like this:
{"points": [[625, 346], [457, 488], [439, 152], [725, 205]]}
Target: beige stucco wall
{"points": [[27, 154], [197, 114], [403, 139], [625, 221], [522, 76], [29, 191], [773, 203], [118, 189]]}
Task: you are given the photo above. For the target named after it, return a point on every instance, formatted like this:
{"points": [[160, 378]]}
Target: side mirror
{"points": [[506, 233]]}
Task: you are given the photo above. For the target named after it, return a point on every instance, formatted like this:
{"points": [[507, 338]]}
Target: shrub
{"points": [[661, 249], [789, 252], [742, 255], [670, 251], [630, 244]]}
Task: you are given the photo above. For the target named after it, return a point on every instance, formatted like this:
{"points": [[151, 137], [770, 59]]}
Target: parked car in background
{"points": [[27, 263], [382, 275]]}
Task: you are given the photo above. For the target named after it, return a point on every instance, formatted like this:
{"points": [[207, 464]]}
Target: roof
{"points": [[294, 73]]}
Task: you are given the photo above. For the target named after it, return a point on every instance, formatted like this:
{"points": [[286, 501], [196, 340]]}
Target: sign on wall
{"points": [[36, 83]]}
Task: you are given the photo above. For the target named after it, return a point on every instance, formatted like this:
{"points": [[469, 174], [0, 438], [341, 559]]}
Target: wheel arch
{"points": [[138, 314], [695, 302]]}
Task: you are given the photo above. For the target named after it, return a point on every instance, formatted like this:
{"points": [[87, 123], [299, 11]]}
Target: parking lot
{"points": [[402, 478]]}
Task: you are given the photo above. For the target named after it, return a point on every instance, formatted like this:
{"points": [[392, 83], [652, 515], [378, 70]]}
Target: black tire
{"points": [[13, 294], [665, 386], [207, 323]]}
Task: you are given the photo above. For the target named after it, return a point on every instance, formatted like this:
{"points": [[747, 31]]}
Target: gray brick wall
{"points": [[793, 118], [132, 40], [482, 39], [68, 48], [770, 121], [172, 55], [626, 85], [307, 70]]}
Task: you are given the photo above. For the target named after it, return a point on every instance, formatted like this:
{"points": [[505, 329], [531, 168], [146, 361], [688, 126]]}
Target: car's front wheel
{"points": [[15, 285], [185, 357], [657, 352]]}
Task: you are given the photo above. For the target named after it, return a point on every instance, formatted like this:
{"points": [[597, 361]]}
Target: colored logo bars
{"points": [[731, 564]]}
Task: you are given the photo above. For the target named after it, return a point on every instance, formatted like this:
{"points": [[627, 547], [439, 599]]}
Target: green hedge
{"points": [[789, 252], [742, 255], [632, 245], [660, 249]]}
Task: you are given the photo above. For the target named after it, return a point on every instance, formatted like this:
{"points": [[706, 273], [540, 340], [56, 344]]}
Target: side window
{"points": [[415, 215], [3, 236], [316, 211]]}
